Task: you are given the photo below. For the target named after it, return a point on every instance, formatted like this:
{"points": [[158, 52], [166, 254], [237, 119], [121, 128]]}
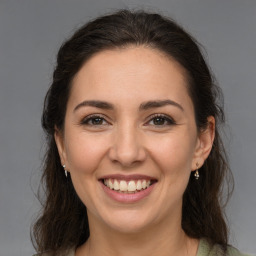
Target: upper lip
{"points": [[127, 177]]}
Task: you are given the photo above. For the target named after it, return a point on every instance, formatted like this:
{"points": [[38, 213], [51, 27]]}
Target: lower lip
{"points": [[127, 197]]}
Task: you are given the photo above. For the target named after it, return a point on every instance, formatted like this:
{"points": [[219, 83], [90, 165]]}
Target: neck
{"points": [[160, 239]]}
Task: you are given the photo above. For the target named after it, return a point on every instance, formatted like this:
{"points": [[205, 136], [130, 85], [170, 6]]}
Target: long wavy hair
{"points": [[62, 223]]}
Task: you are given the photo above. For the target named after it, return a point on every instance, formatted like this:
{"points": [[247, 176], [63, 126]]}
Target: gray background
{"points": [[30, 34]]}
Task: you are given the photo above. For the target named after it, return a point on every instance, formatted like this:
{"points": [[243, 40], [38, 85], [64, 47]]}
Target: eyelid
{"points": [[91, 116], [164, 116], [170, 121]]}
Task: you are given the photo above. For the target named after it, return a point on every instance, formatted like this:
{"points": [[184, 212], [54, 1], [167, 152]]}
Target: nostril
{"points": [[127, 153]]}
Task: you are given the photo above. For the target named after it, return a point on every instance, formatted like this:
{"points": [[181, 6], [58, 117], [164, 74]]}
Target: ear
{"points": [[204, 144], [59, 140]]}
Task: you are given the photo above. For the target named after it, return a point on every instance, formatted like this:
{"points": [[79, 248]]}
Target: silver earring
{"points": [[64, 167], [197, 172]]}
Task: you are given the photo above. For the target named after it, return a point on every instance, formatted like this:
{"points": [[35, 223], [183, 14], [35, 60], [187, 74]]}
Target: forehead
{"points": [[133, 72]]}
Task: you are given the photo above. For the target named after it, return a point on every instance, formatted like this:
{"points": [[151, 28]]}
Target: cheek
{"points": [[84, 155], [84, 152], [175, 154]]}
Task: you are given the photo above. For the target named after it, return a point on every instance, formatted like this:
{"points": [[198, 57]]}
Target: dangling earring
{"points": [[197, 172], [66, 172]]}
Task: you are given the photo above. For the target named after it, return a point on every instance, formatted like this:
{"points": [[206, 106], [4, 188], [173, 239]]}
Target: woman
{"points": [[135, 163]]}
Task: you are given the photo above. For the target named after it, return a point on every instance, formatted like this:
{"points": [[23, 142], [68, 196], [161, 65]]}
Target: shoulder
{"points": [[206, 249], [234, 252]]}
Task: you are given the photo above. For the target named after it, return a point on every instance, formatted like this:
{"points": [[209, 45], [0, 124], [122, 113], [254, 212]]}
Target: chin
{"points": [[128, 222], [130, 227]]}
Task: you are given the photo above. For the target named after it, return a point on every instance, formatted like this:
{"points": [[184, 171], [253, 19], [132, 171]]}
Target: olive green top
{"points": [[204, 249]]}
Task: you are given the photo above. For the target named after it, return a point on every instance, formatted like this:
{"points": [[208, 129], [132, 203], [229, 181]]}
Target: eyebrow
{"points": [[144, 106], [158, 104], [94, 103]]}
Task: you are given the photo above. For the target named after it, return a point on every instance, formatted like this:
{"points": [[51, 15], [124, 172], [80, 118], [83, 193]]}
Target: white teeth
{"points": [[144, 184], [116, 185], [131, 186], [110, 184], [127, 187], [123, 185], [139, 186]]}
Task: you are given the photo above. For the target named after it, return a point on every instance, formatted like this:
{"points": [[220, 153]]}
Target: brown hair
{"points": [[63, 221]]}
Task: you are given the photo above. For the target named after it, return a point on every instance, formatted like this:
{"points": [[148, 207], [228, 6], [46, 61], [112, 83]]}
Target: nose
{"points": [[127, 148]]}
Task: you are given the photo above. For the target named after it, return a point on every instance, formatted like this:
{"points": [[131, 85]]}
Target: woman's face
{"points": [[130, 124]]}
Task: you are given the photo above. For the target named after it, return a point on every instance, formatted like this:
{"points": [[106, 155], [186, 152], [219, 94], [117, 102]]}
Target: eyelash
{"points": [[167, 120], [90, 118]]}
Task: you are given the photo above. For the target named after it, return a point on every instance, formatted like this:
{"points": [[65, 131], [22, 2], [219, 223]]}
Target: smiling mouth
{"points": [[130, 187]]}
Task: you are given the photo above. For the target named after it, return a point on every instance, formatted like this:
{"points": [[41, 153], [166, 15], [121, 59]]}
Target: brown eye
{"points": [[161, 120], [97, 121], [94, 121]]}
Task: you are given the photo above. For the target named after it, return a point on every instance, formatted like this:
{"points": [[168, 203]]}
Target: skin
{"points": [[127, 140]]}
